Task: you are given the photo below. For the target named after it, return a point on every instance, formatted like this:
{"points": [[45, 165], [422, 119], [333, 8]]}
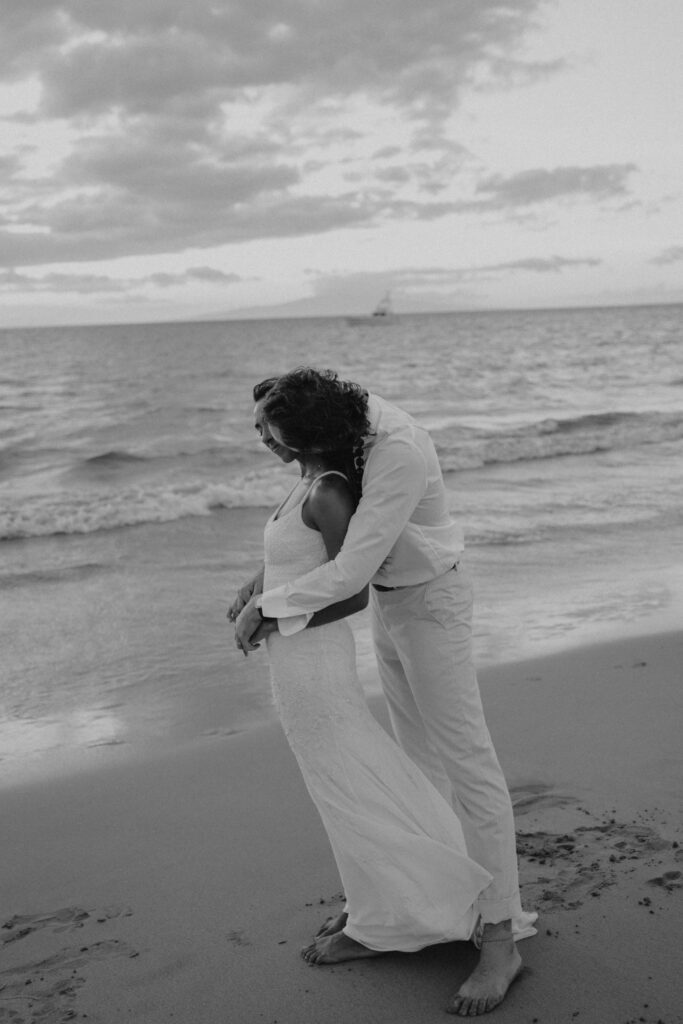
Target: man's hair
{"points": [[261, 389]]}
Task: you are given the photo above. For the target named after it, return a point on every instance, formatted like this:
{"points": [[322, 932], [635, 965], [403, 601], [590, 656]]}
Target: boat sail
{"points": [[382, 314]]}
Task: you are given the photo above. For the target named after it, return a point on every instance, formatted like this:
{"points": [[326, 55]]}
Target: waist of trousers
{"points": [[383, 589]]}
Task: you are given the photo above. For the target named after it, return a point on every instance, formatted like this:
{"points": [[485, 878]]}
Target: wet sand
{"points": [[181, 886]]}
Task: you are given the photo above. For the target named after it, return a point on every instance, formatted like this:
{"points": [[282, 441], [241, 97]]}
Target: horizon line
{"points": [[241, 318]]}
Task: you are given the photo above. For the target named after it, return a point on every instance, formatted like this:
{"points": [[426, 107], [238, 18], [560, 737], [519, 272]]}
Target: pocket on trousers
{"points": [[448, 600]]}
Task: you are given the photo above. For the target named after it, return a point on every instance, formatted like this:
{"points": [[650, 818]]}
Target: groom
{"points": [[403, 540]]}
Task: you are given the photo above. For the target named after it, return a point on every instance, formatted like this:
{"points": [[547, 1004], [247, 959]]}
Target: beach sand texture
{"points": [[180, 887]]}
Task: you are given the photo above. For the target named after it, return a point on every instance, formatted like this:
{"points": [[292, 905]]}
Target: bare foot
{"points": [[333, 949], [333, 925], [499, 965]]}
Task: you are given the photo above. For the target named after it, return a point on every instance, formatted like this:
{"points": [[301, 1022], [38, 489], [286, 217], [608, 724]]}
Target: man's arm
{"points": [[333, 612], [394, 482]]}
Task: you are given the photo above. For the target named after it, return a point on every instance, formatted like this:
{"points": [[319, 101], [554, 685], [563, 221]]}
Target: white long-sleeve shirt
{"points": [[401, 533]]}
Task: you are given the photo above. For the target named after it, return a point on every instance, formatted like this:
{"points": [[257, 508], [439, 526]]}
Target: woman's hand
{"points": [[246, 591], [241, 598], [248, 623]]}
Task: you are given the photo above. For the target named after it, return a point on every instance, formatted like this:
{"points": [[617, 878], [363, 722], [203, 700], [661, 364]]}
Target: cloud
{"points": [[413, 288], [144, 56], [206, 275], [674, 254], [10, 164], [541, 265], [430, 168], [119, 224], [413, 280], [528, 188], [418, 276], [89, 284], [195, 125]]}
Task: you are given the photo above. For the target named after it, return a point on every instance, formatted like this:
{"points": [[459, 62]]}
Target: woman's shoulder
{"points": [[330, 488], [332, 481]]}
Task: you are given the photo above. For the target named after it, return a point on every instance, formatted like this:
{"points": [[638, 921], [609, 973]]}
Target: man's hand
{"points": [[247, 624]]}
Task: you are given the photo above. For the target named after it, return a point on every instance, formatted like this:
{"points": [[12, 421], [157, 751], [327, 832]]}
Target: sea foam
{"points": [[90, 511]]}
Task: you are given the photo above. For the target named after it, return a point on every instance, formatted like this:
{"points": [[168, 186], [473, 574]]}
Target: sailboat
{"points": [[382, 314]]}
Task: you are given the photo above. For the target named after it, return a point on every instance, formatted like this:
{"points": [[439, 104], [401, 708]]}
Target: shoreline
{"points": [[181, 885], [117, 641], [95, 745], [100, 746]]}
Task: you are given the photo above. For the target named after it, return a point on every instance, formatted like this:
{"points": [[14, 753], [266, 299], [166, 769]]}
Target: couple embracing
{"points": [[421, 829]]}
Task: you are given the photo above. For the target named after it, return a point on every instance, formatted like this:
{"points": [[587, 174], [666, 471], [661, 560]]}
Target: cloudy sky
{"points": [[165, 159]]}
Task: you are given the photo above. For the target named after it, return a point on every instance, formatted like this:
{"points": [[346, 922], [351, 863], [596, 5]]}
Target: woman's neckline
{"points": [[279, 514]]}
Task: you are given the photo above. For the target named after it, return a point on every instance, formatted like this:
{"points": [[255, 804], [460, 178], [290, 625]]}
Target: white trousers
{"points": [[423, 641]]}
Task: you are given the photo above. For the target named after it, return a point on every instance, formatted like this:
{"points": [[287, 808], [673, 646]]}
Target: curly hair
{"points": [[316, 412], [261, 389]]}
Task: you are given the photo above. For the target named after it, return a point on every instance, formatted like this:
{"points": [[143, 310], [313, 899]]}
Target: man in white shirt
{"points": [[403, 540]]}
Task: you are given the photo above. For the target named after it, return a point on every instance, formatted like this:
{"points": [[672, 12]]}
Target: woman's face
{"points": [[277, 437], [270, 435]]}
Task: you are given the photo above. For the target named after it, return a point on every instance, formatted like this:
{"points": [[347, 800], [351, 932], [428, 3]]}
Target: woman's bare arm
{"points": [[329, 508]]}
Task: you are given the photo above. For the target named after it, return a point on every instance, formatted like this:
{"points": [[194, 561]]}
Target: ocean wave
{"points": [[552, 438], [596, 421], [503, 537], [99, 501], [88, 512], [113, 458], [123, 462], [68, 573]]}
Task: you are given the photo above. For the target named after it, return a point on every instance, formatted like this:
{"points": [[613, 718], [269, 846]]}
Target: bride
{"points": [[398, 844]]}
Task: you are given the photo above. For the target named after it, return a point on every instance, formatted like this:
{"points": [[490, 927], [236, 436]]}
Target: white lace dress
{"points": [[398, 845]]}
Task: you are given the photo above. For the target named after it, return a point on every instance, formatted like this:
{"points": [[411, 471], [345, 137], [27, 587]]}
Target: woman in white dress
{"points": [[398, 844]]}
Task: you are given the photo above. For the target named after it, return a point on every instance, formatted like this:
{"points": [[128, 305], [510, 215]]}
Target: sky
{"points": [[174, 160]]}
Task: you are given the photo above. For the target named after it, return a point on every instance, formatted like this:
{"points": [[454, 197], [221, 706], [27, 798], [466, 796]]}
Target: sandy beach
{"points": [[180, 886]]}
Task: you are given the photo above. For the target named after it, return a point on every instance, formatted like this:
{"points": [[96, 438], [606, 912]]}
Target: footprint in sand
{"points": [[670, 880], [561, 870], [67, 919], [556, 870], [64, 920], [640, 839], [45, 990]]}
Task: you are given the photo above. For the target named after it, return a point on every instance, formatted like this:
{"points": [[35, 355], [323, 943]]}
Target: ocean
{"points": [[133, 494]]}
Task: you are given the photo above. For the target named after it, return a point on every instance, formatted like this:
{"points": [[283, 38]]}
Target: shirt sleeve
{"points": [[290, 625], [394, 482]]}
